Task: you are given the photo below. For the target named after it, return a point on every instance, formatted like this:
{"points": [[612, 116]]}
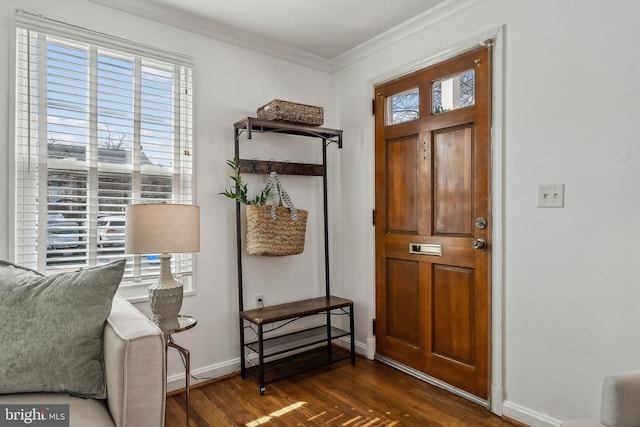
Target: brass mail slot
{"points": [[425, 249]]}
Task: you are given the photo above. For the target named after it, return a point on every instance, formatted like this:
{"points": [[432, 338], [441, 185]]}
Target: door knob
{"points": [[479, 244]]}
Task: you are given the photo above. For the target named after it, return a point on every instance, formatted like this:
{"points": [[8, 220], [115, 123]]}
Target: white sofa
{"points": [[135, 370]]}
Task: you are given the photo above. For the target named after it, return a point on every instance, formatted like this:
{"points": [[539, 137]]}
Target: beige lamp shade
{"points": [[162, 228]]}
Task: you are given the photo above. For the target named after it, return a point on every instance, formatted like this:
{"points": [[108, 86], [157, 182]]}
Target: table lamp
{"points": [[163, 229]]}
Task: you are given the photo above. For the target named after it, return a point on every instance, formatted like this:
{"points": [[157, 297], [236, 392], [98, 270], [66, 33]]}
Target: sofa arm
{"points": [[621, 400], [135, 368]]}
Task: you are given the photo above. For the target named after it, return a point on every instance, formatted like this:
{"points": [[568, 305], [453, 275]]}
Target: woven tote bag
{"points": [[278, 229]]}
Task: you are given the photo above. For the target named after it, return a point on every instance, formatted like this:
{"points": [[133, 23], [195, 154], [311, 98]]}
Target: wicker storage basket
{"points": [[292, 112], [275, 237]]}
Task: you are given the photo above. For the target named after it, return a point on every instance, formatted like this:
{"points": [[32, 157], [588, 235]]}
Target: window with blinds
{"points": [[97, 128]]}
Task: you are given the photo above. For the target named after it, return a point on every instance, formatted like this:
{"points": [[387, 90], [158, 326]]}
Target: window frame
{"points": [[134, 287]]}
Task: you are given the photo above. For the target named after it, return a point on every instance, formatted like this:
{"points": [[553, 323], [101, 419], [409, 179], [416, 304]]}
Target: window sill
{"points": [[136, 293]]}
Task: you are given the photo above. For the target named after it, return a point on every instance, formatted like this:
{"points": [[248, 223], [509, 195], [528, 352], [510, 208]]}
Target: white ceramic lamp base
{"points": [[165, 296]]}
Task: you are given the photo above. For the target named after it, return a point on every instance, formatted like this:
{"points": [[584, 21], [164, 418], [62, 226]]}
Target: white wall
{"points": [[571, 293], [570, 101], [230, 83]]}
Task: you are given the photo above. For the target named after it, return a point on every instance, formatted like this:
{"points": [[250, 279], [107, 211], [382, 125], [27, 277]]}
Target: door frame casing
{"points": [[497, 37]]}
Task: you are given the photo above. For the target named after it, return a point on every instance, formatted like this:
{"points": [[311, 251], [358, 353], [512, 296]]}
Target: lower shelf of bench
{"points": [[296, 340], [298, 363]]}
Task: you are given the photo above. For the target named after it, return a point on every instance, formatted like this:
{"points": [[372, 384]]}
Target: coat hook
{"points": [[477, 61]]}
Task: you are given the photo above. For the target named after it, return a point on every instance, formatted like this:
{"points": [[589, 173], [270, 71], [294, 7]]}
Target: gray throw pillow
{"points": [[51, 329]]}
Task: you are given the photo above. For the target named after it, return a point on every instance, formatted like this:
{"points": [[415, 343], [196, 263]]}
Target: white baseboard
{"points": [[205, 373], [528, 416]]}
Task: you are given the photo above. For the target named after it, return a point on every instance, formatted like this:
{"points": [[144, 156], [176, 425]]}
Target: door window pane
{"points": [[403, 107], [454, 92]]}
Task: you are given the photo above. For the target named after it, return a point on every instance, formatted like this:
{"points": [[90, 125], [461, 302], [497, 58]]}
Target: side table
{"points": [[173, 326]]}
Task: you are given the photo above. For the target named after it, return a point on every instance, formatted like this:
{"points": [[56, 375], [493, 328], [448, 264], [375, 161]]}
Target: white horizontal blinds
{"points": [[114, 122], [97, 129], [64, 170]]}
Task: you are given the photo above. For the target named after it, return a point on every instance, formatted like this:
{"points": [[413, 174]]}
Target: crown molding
{"points": [[400, 32], [200, 25]]}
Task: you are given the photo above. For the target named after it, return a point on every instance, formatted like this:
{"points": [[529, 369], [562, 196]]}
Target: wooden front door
{"points": [[433, 221]]}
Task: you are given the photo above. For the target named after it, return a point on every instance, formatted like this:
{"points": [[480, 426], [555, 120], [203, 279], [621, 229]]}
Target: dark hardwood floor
{"points": [[365, 395]]}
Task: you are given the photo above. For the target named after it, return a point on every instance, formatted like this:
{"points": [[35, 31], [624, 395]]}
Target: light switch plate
{"points": [[551, 196]]}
